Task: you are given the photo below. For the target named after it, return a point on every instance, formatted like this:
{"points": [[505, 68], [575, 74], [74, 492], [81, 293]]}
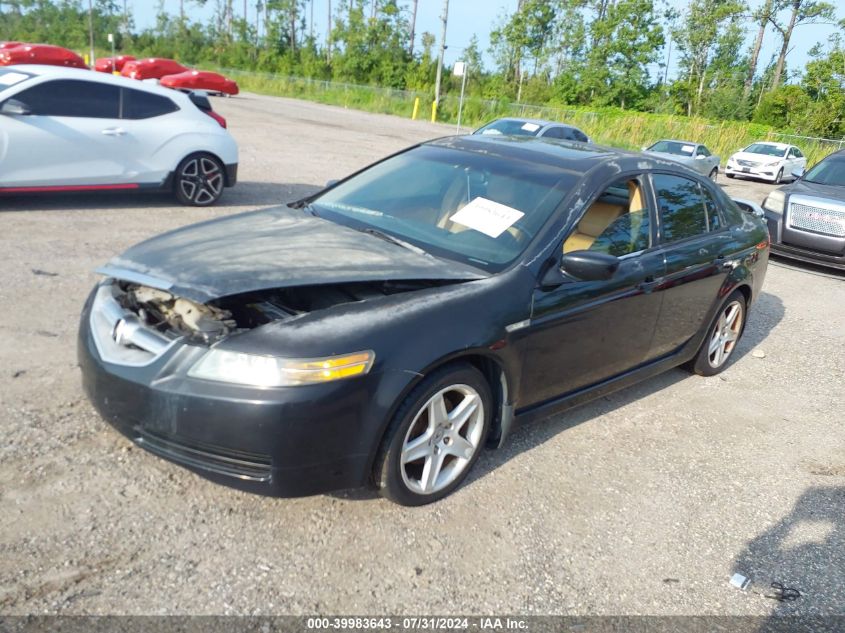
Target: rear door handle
{"points": [[723, 262], [114, 131]]}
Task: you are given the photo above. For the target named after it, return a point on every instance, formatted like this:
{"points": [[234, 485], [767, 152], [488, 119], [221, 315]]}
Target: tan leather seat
{"points": [[595, 221]]}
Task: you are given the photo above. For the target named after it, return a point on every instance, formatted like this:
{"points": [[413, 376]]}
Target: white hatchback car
{"points": [[767, 161], [68, 129]]}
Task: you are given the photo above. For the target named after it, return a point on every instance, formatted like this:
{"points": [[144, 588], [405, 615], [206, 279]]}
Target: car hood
{"points": [[830, 192], [756, 158], [273, 248]]}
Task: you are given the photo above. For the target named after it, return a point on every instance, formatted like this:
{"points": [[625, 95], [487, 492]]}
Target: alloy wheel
{"points": [[725, 334], [442, 439], [201, 180]]}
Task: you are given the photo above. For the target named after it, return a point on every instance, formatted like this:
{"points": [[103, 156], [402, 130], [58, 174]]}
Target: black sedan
{"points": [[384, 330], [807, 218]]}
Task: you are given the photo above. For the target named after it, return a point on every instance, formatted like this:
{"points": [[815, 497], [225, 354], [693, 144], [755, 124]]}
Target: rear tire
{"points": [[435, 437], [730, 176], [723, 335], [199, 180]]}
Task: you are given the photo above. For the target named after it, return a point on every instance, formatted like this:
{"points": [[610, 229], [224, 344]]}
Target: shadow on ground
{"points": [[243, 194], [804, 551]]}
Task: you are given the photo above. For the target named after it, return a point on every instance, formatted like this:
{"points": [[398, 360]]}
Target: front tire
{"points": [[714, 175], [779, 177], [722, 337], [435, 437], [199, 181]]}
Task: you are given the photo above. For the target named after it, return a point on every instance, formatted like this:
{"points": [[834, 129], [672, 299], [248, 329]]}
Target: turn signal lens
{"points": [[270, 371]]}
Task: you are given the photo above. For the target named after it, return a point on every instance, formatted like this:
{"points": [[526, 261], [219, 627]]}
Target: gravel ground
{"points": [[644, 502]]}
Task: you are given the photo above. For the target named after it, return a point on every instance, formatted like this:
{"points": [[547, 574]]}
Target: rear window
{"points": [[138, 104], [9, 78]]}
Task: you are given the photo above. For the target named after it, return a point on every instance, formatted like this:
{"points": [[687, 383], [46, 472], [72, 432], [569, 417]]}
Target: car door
{"points": [[583, 332], [697, 246], [149, 124], [68, 137]]}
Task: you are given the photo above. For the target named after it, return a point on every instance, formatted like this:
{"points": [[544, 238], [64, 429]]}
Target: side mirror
{"points": [[749, 207], [644, 148], [14, 107], [699, 157], [583, 265], [797, 172], [589, 265], [332, 183]]}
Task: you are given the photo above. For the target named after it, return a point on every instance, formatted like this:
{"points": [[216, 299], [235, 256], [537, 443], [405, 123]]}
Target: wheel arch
{"points": [[498, 377]]}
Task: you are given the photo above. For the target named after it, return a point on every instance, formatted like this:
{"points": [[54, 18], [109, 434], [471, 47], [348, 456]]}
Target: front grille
{"points": [[224, 461], [823, 221], [747, 163]]}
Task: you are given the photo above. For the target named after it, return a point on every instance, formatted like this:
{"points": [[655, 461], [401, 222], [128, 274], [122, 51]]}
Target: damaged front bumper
{"points": [[289, 441]]}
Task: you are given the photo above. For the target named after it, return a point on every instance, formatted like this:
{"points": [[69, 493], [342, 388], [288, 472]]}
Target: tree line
{"points": [[591, 53]]}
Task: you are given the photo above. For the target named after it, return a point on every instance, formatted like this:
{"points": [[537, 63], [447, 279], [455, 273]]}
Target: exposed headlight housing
{"points": [[270, 371], [775, 201]]}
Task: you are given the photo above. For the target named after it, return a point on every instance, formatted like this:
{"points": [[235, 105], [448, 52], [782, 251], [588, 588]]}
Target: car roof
{"points": [[63, 72], [540, 122], [675, 140], [574, 157]]}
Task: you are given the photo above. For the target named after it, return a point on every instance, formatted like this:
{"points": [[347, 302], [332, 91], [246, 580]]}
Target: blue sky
{"points": [[468, 17]]}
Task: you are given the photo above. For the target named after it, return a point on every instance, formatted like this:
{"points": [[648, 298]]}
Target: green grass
{"points": [[610, 126]]}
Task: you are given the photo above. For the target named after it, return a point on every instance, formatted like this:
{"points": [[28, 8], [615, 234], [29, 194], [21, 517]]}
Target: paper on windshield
{"points": [[488, 217], [10, 79], [687, 149], [530, 127]]}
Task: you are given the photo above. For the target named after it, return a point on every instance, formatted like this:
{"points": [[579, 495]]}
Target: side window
{"points": [[791, 153], [617, 223], [74, 98], [580, 136], [554, 132], [682, 207], [138, 104], [700, 151], [714, 220], [703, 150], [798, 153]]}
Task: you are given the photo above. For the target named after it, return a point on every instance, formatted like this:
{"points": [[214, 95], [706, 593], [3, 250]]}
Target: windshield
{"points": [[9, 78], [510, 127], [673, 147], [469, 207], [766, 149], [827, 172]]}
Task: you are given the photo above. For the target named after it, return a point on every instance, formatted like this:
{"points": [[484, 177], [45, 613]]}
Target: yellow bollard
{"points": [[416, 109], [87, 61], [434, 112]]}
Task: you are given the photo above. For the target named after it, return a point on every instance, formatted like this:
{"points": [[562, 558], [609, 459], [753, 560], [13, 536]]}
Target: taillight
{"points": [[216, 117]]}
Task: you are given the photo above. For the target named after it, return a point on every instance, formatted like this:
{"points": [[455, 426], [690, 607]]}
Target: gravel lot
{"points": [[644, 502]]}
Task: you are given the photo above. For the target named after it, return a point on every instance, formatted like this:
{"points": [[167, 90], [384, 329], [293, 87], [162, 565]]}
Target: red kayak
{"points": [[201, 80], [40, 54], [151, 68], [110, 64]]}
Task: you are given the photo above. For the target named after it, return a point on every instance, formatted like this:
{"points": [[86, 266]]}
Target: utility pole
{"points": [[311, 22], [91, 31], [329, 35], [445, 19], [413, 27]]}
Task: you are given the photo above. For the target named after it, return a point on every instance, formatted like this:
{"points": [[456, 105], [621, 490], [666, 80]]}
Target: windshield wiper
{"points": [[395, 240]]}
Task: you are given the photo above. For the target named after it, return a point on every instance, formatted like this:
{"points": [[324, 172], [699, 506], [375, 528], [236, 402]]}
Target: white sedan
{"points": [[67, 129], [774, 162]]}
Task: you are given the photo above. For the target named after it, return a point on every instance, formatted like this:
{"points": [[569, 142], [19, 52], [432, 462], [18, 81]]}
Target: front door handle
{"points": [[649, 283], [114, 131]]}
